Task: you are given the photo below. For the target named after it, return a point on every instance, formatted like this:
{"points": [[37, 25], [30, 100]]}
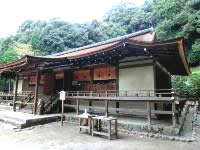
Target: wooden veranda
{"points": [[147, 96], [22, 98]]}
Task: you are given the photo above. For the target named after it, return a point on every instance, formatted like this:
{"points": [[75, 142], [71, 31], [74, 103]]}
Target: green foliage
{"points": [[8, 56], [129, 17], [4, 85], [5, 43], [194, 3], [35, 39], [194, 58], [188, 86], [17, 50]]}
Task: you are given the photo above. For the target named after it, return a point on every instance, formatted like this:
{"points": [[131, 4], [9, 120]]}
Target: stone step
{"points": [[13, 121], [4, 107], [7, 126], [12, 117], [24, 120]]}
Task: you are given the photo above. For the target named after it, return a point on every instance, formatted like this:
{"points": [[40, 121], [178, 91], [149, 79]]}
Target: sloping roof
{"points": [[127, 36], [176, 63], [73, 52]]}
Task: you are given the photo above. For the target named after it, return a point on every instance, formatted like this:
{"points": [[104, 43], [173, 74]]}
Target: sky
{"points": [[15, 12]]}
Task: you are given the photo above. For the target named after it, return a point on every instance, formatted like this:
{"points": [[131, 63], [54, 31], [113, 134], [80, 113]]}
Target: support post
{"points": [[149, 114], [117, 107], [9, 86], [90, 104], [106, 108], [77, 107], [62, 117], [36, 93], [15, 92], [173, 114], [109, 129], [116, 126]]}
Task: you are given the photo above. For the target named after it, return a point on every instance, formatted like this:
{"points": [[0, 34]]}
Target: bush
{"points": [[187, 86], [194, 58]]}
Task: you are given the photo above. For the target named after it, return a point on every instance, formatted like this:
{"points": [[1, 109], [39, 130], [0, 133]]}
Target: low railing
{"points": [[26, 93], [23, 98], [116, 93], [144, 96], [22, 93]]}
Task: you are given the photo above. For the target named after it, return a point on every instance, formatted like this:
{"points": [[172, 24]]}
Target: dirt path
{"points": [[54, 137]]}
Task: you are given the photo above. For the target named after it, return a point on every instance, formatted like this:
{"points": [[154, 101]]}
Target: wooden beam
{"points": [[149, 114], [106, 108], [135, 65], [117, 106], [173, 114], [36, 93], [162, 68], [90, 103], [121, 110], [62, 116], [9, 86], [124, 98], [15, 92], [77, 106]]}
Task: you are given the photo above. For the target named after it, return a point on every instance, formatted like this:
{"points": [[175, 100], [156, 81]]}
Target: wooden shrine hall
{"points": [[129, 73]]}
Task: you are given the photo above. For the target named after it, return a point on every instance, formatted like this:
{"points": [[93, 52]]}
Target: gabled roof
{"points": [[169, 53], [114, 40]]}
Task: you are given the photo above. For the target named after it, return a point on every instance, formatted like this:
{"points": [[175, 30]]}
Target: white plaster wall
{"points": [[136, 78], [20, 85]]}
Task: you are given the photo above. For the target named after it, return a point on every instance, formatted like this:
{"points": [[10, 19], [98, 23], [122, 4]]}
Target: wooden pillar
{"points": [[173, 114], [36, 93], [116, 128], [117, 107], [77, 107], [149, 114], [106, 108], [109, 129], [90, 104], [62, 116], [15, 92], [9, 86]]}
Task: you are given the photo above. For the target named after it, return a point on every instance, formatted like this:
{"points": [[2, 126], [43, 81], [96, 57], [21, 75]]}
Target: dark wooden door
{"points": [[59, 85]]}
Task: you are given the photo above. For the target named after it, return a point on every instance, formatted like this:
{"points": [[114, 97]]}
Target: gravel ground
{"points": [[55, 137]]}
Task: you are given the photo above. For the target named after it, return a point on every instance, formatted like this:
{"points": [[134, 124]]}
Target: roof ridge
{"points": [[103, 42]]}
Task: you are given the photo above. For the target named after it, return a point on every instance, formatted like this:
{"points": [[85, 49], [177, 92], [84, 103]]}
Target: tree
{"points": [[8, 56]]}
